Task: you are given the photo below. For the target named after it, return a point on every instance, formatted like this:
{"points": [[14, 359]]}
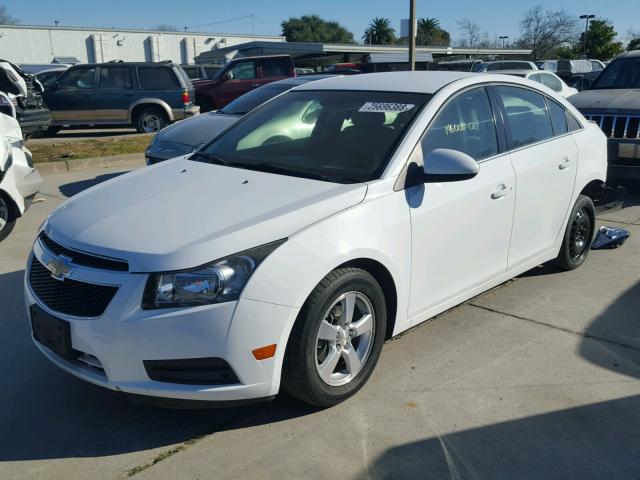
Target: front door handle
{"points": [[255, 85], [565, 163], [501, 192]]}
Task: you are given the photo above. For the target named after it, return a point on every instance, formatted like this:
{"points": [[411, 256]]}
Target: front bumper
{"points": [[624, 159], [120, 340]]}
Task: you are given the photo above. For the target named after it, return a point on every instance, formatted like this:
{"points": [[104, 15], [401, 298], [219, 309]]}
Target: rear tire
{"points": [[150, 120], [336, 341], [578, 236]]}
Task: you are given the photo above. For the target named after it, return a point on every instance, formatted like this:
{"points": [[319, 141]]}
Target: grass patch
{"points": [[95, 147]]}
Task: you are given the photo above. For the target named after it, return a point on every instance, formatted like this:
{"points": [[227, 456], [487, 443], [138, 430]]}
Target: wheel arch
{"points": [[150, 102], [14, 211], [594, 189], [385, 279]]}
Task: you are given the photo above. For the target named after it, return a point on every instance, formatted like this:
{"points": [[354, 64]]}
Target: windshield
{"points": [[622, 73], [247, 102], [336, 136]]}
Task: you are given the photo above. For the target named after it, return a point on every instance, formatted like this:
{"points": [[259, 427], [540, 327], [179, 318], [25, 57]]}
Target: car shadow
{"points": [[46, 413], [599, 440], [73, 188]]}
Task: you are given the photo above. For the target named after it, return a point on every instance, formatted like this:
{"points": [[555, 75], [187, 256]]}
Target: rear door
{"points": [[242, 76], [72, 100], [113, 94], [545, 159]]}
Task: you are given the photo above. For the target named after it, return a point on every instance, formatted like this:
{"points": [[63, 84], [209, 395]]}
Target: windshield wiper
{"points": [[209, 158], [270, 168]]}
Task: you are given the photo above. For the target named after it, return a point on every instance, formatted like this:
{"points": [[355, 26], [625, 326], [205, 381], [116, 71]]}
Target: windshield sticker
{"points": [[380, 107]]}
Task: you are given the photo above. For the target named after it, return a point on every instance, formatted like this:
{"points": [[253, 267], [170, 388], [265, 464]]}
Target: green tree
{"points": [[5, 18], [601, 42], [430, 33], [312, 28], [634, 44], [379, 32]]}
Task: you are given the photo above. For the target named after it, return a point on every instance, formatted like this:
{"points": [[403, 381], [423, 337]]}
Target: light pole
{"points": [[586, 30], [503, 38], [412, 35], [56, 22]]}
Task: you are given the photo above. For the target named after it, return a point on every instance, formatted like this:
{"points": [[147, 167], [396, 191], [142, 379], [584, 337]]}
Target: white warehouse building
{"points": [[27, 44]]}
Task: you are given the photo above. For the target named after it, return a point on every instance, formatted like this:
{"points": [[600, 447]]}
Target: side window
{"points": [[157, 78], [276, 67], [527, 116], [465, 124], [552, 82], [78, 79], [192, 72], [595, 66], [114, 78], [573, 123], [494, 66], [242, 71], [558, 117]]}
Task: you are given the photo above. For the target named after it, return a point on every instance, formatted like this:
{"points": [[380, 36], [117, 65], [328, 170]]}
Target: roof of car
{"points": [[302, 79], [508, 61], [120, 64], [520, 72], [415, 82], [631, 53]]}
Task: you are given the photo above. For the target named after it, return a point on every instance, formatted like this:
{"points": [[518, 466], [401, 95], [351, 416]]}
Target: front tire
{"points": [[7, 221], [578, 236], [336, 341]]}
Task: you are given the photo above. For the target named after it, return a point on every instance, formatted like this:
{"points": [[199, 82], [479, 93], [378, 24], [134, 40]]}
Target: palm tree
{"points": [[379, 32], [430, 32]]}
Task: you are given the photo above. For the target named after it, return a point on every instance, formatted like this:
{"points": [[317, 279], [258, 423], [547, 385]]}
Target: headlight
{"points": [[219, 281]]}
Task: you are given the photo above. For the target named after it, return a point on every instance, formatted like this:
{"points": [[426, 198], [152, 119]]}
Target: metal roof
{"points": [[301, 49], [398, 57]]}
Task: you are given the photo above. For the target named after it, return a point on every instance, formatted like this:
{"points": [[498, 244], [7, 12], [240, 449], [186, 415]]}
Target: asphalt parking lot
{"points": [[538, 378]]}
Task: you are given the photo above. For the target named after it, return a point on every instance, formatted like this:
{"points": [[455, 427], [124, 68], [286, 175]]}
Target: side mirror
{"points": [[445, 165]]}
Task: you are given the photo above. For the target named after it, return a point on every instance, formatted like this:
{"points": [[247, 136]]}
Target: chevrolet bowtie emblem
{"points": [[59, 267]]}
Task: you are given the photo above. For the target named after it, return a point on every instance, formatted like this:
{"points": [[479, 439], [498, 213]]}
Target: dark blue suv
{"points": [[147, 96]]}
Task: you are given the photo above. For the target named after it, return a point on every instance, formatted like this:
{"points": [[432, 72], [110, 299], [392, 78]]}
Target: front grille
{"points": [[83, 259], [70, 297], [617, 126]]}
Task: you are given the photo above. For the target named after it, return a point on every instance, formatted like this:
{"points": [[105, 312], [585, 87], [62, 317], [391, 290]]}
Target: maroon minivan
{"points": [[238, 77]]}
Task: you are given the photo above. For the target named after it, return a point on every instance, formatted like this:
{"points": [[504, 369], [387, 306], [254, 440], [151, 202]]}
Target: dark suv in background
{"points": [[238, 77], [147, 96], [613, 102]]}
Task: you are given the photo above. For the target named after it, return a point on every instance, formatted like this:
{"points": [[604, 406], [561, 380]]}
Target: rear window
{"points": [[211, 71], [192, 72], [277, 67], [157, 78]]}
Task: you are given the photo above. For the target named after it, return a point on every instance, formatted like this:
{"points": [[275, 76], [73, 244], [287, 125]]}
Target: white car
{"points": [[548, 79], [19, 181], [247, 266]]}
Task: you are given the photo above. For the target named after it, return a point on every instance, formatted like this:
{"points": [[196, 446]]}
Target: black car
{"points": [[186, 137], [147, 96]]}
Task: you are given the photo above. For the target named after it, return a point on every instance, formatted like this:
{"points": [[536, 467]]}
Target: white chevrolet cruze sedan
{"points": [[286, 250]]}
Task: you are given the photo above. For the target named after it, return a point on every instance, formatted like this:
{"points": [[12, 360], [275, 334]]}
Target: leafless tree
{"points": [[470, 33], [544, 31], [165, 27], [5, 18]]}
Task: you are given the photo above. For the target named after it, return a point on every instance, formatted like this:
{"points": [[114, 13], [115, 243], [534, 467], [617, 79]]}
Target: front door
{"points": [[71, 100], [240, 78], [460, 230], [113, 94], [545, 159]]}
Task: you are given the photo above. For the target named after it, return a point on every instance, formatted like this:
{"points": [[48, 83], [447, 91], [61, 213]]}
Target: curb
{"points": [[64, 166]]}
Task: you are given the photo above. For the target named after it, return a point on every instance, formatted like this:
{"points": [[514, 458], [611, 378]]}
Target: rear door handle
{"points": [[565, 163], [255, 85], [502, 191]]}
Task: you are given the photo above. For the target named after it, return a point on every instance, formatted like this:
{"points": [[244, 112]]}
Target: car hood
{"points": [[196, 130], [181, 214], [613, 99]]}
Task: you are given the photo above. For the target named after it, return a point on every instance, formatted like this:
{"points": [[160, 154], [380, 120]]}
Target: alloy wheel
{"points": [[345, 338], [151, 122]]}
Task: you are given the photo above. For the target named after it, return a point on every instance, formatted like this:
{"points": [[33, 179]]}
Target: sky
{"points": [[494, 16]]}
